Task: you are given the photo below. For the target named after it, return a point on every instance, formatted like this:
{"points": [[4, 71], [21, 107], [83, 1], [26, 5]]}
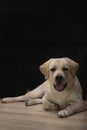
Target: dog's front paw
{"points": [[64, 113]]}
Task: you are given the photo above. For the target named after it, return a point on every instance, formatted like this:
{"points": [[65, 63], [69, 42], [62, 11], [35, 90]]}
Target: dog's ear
{"points": [[74, 66], [44, 68]]}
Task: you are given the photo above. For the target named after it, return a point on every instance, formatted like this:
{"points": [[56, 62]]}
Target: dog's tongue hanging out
{"points": [[59, 87]]}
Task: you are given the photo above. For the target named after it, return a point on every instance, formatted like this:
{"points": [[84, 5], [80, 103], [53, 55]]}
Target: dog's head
{"points": [[59, 71]]}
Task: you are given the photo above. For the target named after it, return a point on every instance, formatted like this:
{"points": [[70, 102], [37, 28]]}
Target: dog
{"points": [[61, 91]]}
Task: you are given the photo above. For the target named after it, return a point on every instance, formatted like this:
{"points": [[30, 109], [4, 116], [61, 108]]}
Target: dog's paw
{"points": [[29, 102], [63, 113]]}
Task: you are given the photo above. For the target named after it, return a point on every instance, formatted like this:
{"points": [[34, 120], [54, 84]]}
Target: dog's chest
{"points": [[58, 98]]}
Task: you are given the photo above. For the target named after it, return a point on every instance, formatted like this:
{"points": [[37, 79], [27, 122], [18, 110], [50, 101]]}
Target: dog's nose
{"points": [[59, 79]]}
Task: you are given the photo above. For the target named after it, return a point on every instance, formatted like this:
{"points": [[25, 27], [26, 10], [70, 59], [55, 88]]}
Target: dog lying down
{"points": [[61, 90]]}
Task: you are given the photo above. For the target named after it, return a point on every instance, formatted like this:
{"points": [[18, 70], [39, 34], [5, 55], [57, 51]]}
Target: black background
{"points": [[33, 33]]}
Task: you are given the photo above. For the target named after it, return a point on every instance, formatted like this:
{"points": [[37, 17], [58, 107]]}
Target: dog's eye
{"points": [[65, 69], [53, 69]]}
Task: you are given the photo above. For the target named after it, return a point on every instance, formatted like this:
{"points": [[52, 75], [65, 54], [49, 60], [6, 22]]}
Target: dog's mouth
{"points": [[60, 87]]}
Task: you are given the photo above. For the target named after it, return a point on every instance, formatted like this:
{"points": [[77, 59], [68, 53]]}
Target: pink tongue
{"points": [[59, 87]]}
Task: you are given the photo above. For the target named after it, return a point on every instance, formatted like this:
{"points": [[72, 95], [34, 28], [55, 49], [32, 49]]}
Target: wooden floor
{"points": [[16, 116]]}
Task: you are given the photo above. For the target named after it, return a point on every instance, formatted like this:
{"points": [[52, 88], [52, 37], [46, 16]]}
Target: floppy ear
{"points": [[44, 68], [74, 66]]}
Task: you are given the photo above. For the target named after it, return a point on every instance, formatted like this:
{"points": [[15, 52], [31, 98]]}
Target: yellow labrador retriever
{"points": [[61, 90]]}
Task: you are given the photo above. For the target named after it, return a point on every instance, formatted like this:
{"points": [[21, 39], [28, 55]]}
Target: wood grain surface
{"points": [[16, 116]]}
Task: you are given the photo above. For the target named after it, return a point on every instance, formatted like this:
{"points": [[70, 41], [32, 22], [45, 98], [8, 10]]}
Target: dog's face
{"points": [[60, 72]]}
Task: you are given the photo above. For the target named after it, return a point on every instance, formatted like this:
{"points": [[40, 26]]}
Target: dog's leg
{"points": [[30, 95], [73, 108], [12, 99], [49, 106], [30, 102], [36, 93]]}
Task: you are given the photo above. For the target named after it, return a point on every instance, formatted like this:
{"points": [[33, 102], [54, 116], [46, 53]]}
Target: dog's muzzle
{"points": [[59, 83]]}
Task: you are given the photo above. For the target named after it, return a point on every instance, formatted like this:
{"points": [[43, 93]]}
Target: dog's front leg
{"points": [[72, 108], [49, 106]]}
